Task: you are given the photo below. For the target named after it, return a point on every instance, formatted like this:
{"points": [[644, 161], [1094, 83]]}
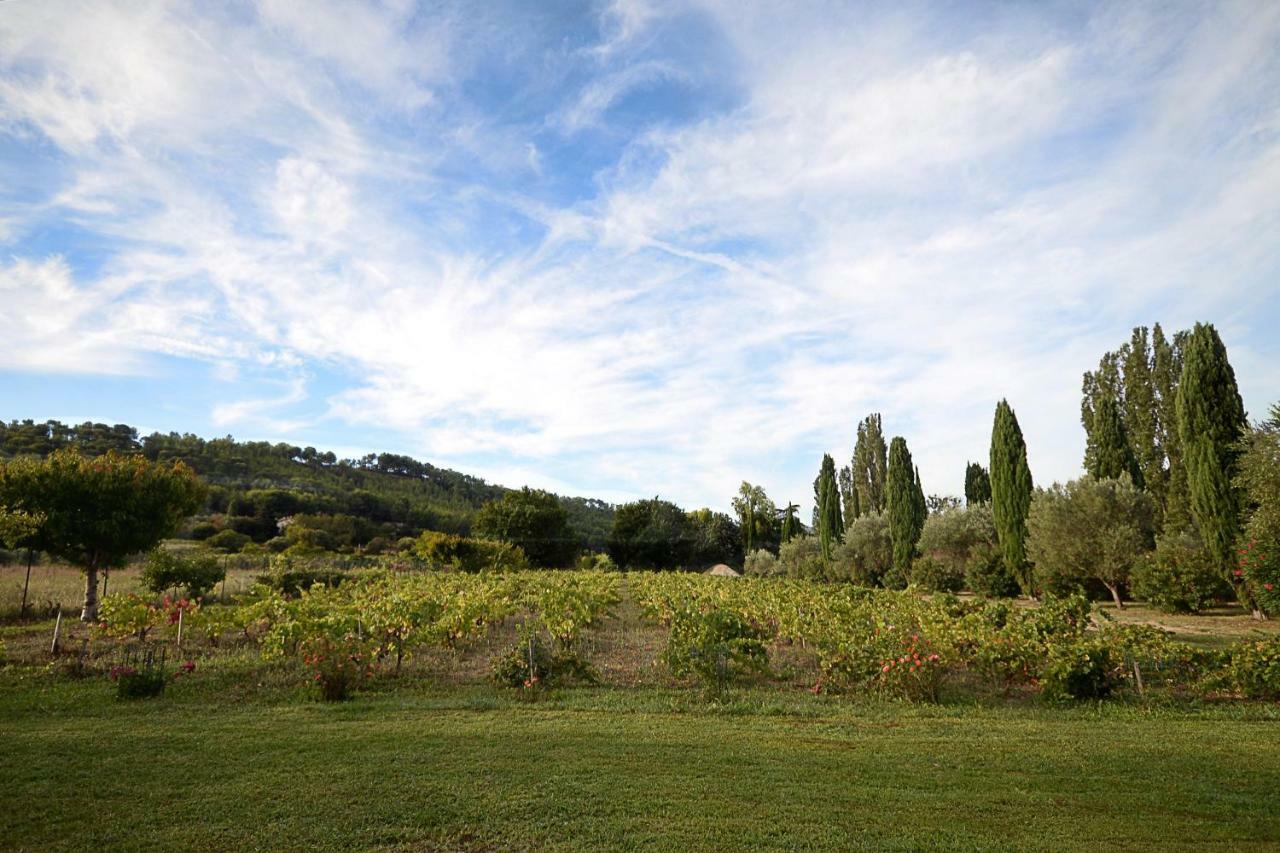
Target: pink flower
{"points": [[884, 668]]}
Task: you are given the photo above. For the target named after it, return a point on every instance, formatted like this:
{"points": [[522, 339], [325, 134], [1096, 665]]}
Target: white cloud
{"points": [[873, 218]]}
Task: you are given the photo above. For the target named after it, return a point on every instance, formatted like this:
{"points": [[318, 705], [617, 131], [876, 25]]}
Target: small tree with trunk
{"points": [[99, 511], [1089, 529]]}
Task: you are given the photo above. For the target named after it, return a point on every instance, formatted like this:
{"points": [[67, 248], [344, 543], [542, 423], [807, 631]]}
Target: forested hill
{"points": [[255, 483]]}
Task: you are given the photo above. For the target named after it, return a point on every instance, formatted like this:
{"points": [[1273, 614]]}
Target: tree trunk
{"points": [[1115, 593], [1258, 614], [90, 611]]}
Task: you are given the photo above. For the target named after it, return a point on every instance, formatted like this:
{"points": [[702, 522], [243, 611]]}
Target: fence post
{"points": [[181, 610], [57, 629]]}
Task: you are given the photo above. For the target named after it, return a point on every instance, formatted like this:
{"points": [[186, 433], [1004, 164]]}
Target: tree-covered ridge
{"points": [[258, 482]]}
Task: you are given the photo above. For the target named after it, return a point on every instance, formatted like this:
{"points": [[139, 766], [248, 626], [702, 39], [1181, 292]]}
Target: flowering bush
{"points": [[338, 665], [140, 674], [1255, 668], [912, 668], [1260, 569]]}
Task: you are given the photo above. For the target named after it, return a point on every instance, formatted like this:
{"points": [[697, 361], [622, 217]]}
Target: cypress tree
{"points": [[922, 506], [1112, 453], [1211, 422], [902, 505], [830, 521], [1011, 492], [870, 463], [977, 485], [849, 495], [790, 523]]}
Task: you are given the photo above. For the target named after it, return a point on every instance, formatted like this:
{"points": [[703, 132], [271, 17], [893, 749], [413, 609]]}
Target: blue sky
{"points": [[630, 248]]}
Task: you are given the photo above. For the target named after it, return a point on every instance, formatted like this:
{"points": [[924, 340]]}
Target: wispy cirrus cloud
{"points": [[635, 248]]}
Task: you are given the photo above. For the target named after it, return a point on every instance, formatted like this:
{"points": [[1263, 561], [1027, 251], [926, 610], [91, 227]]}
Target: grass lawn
{"points": [[477, 768]]}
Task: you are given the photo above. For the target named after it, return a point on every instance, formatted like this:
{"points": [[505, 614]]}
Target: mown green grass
{"points": [[475, 767]]}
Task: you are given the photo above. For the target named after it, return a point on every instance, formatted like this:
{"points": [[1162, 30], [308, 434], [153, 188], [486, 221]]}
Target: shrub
{"points": [[202, 530], [197, 573], [952, 536], [1260, 566], [338, 665], [1180, 576], [933, 574], [802, 558], [718, 646], [228, 540], [448, 550], [761, 564], [1083, 669], [596, 563], [533, 662], [867, 551], [1255, 668], [125, 616], [985, 573]]}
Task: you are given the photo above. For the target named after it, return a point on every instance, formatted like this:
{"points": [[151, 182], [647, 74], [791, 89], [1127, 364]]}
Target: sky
{"points": [[630, 248]]}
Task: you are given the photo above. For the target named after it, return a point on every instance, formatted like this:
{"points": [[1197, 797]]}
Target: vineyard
{"points": [[531, 631]]}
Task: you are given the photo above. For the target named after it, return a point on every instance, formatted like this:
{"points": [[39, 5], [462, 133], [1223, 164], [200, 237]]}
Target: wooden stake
{"points": [[180, 612], [1137, 677], [25, 585], [57, 629]]}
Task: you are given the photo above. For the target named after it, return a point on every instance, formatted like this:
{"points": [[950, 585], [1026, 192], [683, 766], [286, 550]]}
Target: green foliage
{"points": [[197, 573], [99, 511], [531, 662], [802, 558], [763, 564], [985, 573], [1011, 493], [144, 682], [934, 575], [977, 485], [1180, 576], [716, 538], [1211, 422], [866, 555], [230, 541], [338, 664], [718, 646], [260, 483], [462, 553], [534, 521], [756, 515], [904, 502], [1255, 668], [952, 536], [126, 616], [1088, 529], [651, 534], [1112, 456], [827, 501], [1083, 669], [870, 465], [1259, 480]]}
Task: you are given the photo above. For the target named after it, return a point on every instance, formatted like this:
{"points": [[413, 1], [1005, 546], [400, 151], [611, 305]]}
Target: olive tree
{"points": [[99, 511], [1089, 529]]}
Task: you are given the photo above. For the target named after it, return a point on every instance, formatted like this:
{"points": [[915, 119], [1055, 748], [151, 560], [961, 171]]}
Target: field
{"points": [[240, 754]]}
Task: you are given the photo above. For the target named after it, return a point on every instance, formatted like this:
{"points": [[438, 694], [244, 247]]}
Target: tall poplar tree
{"points": [[849, 495], [977, 485], [1141, 415], [921, 505], [1175, 502], [1011, 493], [1211, 422], [1112, 453], [870, 465], [902, 505]]}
